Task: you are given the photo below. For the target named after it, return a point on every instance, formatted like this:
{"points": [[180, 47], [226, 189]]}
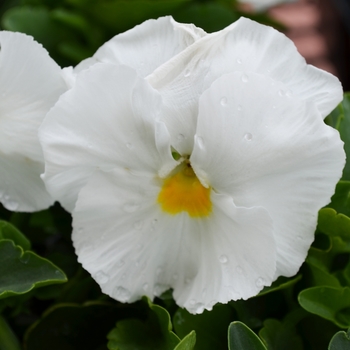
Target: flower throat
{"points": [[183, 191]]}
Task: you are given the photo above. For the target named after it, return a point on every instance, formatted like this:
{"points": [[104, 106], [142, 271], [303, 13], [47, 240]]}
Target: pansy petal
{"points": [[30, 84], [101, 123], [147, 46], [267, 148], [244, 46], [141, 250], [21, 186]]}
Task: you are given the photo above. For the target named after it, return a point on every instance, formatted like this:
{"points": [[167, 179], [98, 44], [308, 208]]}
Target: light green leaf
{"points": [[8, 231], [8, 340], [340, 341], [331, 303], [341, 199], [210, 326], [334, 224], [153, 333], [241, 337], [187, 343], [20, 271]]}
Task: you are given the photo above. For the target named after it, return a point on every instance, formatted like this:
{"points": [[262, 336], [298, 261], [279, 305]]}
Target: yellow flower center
{"points": [[184, 192]]}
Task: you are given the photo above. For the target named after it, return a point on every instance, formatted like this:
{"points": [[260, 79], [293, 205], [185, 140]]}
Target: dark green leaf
{"points": [[210, 326], [340, 341], [334, 224], [8, 340], [154, 333], [341, 198], [73, 326], [8, 231], [280, 283], [22, 271], [340, 119], [241, 337], [330, 303]]}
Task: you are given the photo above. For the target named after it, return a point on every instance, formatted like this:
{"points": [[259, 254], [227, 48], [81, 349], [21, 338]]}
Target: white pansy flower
{"points": [[144, 47], [30, 84], [210, 185]]}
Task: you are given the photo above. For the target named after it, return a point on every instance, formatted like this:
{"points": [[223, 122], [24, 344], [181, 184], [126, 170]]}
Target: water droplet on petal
{"points": [[180, 137], [300, 237], [158, 289], [121, 294], [248, 136], [58, 273], [145, 287], [200, 142], [192, 301], [239, 269], [159, 271], [101, 277], [12, 205], [204, 293], [274, 107], [281, 93], [239, 108], [142, 64], [138, 224], [130, 207], [187, 73], [223, 259], [245, 78], [175, 276], [223, 101], [259, 282], [188, 281], [128, 145], [154, 224], [289, 93], [120, 263], [239, 61], [80, 230]]}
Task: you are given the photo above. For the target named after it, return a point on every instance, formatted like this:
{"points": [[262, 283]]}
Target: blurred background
{"points": [[72, 30]]}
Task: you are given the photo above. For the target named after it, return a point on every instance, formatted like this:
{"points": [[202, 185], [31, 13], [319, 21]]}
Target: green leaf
{"points": [[340, 341], [152, 334], [340, 119], [241, 337], [210, 326], [74, 326], [283, 335], [331, 303], [341, 199], [20, 271], [334, 224], [8, 340], [8, 231], [279, 284], [187, 343]]}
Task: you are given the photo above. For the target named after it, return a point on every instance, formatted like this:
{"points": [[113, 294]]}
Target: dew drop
{"points": [[154, 224], [175, 276], [289, 93], [239, 61], [239, 270], [223, 101], [121, 294], [187, 73], [180, 137], [299, 237], [259, 282], [188, 281], [239, 108], [245, 78], [248, 136], [138, 224], [101, 277], [7, 197], [159, 271], [123, 276], [25, 259], [145, 287], [281, 93], [192, 302], [80, 230], [223, 259], [204, 293], [128, 145], [58, 273], [120, 263], [130, 207], [274, 107], [142, 64], [158, 289], [200, 142], [87, 247], [11, 205]]}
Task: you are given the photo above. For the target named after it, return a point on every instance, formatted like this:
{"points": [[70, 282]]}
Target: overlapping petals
{"points": [[250, 131], [30, 84]]}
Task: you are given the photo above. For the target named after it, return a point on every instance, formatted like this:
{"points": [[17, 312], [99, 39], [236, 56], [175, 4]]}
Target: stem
{"points": [[8, 340]]}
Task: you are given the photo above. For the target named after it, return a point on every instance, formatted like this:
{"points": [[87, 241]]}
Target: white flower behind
{"points": [[30, 84], [210, 185]]}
